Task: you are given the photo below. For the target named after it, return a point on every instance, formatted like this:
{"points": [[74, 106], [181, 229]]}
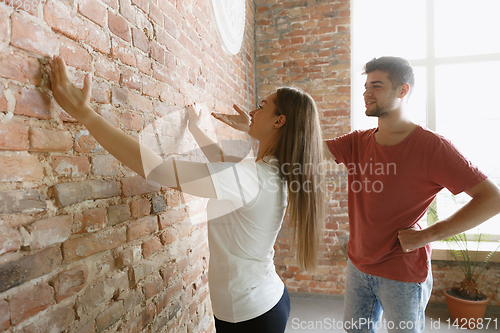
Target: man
{"points": [[394, 173]]}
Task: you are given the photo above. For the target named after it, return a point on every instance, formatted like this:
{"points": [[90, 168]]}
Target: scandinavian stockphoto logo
{"points": [[167, 142]]}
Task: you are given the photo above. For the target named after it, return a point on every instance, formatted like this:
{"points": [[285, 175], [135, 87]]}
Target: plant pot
{"points": [[465, 314]]}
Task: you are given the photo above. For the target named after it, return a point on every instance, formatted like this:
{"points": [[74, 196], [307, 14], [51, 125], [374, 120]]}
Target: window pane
{"points": [[388, 27], [468, 113], [464, 27]]}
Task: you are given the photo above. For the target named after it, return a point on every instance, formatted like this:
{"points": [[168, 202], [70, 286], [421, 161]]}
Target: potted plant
{"points": [[466, 304]]}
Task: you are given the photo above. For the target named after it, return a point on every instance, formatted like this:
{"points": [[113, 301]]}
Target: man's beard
{"points": [[377, 112]]}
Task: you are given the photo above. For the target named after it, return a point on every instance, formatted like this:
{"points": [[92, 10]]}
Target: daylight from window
{"points": [[454, 48]]}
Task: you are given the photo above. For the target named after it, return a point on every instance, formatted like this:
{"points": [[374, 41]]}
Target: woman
{"points": [[248, 198]]}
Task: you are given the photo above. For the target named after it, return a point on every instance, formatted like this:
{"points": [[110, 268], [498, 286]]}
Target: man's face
{"points": [[380, 97]]}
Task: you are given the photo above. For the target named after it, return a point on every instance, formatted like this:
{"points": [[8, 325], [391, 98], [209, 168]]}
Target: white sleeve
{"points": [[236, 182]]}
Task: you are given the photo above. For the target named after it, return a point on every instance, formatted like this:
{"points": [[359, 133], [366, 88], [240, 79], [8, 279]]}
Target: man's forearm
{"points": [[484, 205]]}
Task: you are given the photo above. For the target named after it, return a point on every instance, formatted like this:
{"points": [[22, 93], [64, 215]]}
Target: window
{"points": [[454, 48]]}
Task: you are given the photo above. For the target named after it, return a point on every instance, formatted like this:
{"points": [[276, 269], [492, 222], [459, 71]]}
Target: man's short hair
{"points": [[398, 69]]}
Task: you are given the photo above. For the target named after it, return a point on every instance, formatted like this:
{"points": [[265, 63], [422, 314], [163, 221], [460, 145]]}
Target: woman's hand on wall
{"points": [[73, 100], [194, 115], [240, 121]]}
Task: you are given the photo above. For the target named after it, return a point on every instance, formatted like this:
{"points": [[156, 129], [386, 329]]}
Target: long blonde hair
{"points": [[300, 147]]}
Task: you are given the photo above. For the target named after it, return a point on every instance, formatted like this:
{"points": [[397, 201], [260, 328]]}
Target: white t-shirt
{"points": [[244, 222]]}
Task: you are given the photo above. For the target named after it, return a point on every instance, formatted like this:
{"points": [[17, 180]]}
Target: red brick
{"points": [[20, 168], [94, 11], [118, 26], [55, 320], [125, 98], [153, 287], [85, 143], [74, 166], [130, 79], [89, 244], [13, 136], [150, 87], [140, 208], [4, 104], [16, 272], [64, 21], [128, 12], [131, 121], [4, 315], [172, 217], [143, 63], [170, 43], [70, 282], [75, 55], [31, 37], [173, 198], [22, 200], [142, 4], [101, 292], [70, 193], [150, 246], [10, 241], [122, 51], [109, 316], [136, 185], [140, 40], [156, 15], [163, 74], [50, 231], [26, 304], [31, 103], [4, 28], [90, 220], [21, 68], [118, 214], [141, 228], [128, 257], [107, 68], [113, 4], [157, 52], [105, 165], [169, 235], [44, 140], [101, 92]]}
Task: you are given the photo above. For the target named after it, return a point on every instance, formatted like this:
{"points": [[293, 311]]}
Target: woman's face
{"points": [[263, 119]]}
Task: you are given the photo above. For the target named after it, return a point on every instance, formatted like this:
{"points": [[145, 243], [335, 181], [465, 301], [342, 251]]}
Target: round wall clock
{"points": [[230, 21]]}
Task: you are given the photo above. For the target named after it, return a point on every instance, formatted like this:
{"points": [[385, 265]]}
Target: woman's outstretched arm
{"points": [[191, 177]]}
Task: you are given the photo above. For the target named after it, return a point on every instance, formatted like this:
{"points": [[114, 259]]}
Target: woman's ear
{"points": [[280, 121]]}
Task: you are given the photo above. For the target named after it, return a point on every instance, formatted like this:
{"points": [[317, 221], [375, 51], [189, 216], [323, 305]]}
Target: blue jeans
{"points": [[368, 296]]}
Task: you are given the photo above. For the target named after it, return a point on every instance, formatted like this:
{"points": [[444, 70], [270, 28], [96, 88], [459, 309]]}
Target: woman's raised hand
{"points": [[194, 114], [73, 100], [240, 121]]}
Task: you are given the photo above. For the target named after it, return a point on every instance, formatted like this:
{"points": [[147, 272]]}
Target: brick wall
{"points": [[307, 44], [86, 245]]}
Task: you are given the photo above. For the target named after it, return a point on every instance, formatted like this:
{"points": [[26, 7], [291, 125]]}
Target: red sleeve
{"points": [[450, 169], [341, 148]]}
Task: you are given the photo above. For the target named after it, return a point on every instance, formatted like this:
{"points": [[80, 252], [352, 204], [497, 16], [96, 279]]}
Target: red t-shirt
{"points": [[390, 189]]}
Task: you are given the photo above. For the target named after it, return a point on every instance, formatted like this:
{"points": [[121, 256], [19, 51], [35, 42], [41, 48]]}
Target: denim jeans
{"points": [[368, 296]]}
